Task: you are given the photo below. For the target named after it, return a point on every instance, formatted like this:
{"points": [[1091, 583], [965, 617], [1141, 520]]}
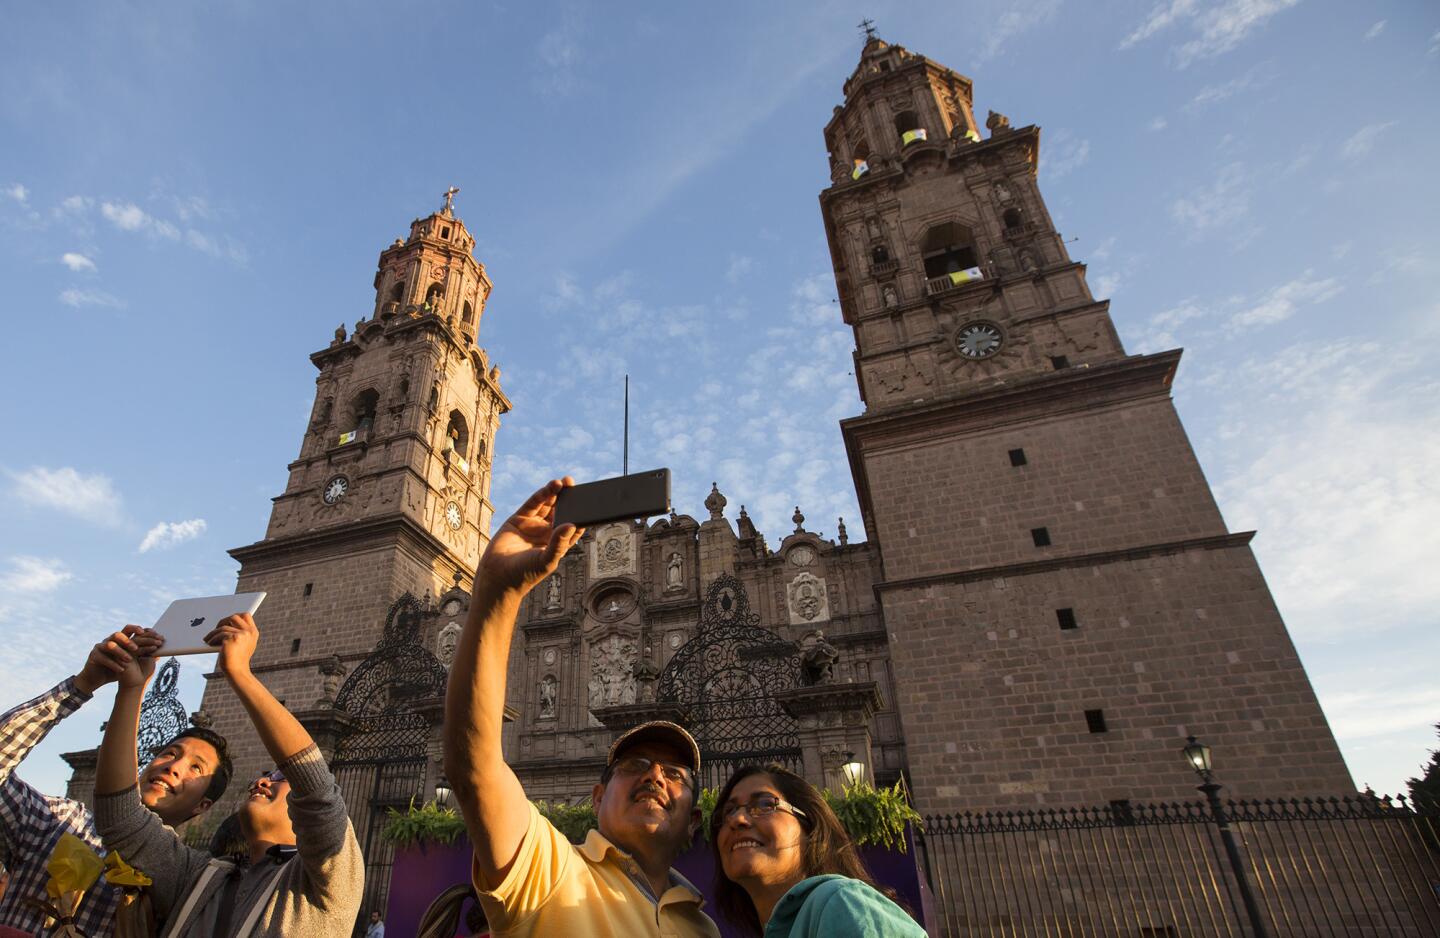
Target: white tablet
{"points": [[186, 623]]}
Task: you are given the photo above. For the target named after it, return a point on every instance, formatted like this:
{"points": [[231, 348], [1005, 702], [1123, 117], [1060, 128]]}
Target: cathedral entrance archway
{"points": [[392, 699], [725, 679]]}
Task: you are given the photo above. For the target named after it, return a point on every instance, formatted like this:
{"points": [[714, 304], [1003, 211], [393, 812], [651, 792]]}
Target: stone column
{"points": [[834, 719]]}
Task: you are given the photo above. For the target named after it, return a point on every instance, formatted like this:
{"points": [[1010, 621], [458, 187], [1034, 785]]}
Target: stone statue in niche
{"points": [[332, 674], [612, 672], [872, 227], [552, 593], [1027, 261], [890, 297], [1002, 191], [549, 694], [446, 643], [675, 572], [817, 658]]}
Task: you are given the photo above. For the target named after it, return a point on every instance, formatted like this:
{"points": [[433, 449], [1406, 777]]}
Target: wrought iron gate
{"points": [[380, 763], [725, 678]]}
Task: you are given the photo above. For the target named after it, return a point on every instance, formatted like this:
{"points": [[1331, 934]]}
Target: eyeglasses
{"points": [[760, 806], [275, 776], [639, 765]]}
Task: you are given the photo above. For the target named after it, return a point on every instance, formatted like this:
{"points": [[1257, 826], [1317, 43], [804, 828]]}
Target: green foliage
{"points": [[572, 820], [873, 815], [1425, 790], [427, 824]]}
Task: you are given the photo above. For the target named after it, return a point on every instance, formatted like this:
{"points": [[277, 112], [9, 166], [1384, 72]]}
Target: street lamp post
{"points": [[1198, 755], [853, 771]]}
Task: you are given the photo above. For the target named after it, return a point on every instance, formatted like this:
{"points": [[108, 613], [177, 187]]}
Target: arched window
{"points": [[433, 295], [879, 254], [859, 159], [365, 406], [397, 291], [404, 388], [947, 248], [907, 125], [457, 435], [468, 314], [1013, 219]]}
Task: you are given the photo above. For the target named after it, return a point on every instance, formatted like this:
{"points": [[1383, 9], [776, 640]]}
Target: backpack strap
{"points": [[182, 918], [262, 899]]}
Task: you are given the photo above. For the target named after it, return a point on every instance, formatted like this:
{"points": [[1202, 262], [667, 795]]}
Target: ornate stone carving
{"points": [[817, 658], [675, 573], [807, 600], [715, 502], [552, 592], [997, 123], [612, 672], [332, 674], [446, 642], [549, 694], [612, 552], [802, 555]]}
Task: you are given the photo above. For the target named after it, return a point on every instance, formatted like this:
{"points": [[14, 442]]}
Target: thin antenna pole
{"points": [[626, 470]]}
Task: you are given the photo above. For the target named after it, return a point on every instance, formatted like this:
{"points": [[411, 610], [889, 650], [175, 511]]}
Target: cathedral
{"points": [[1041, 602]]}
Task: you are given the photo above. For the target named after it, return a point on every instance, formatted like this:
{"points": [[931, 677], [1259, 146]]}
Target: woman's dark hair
{"points": [[828, 847]]}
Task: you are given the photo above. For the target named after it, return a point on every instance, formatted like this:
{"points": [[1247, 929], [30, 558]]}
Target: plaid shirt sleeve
{"points": [[25, 814]]}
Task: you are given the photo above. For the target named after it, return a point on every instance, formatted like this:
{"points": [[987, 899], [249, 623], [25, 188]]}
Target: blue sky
{"points": [[193, 196]]}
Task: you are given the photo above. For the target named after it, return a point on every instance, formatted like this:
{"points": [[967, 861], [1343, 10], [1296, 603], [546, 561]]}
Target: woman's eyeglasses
{"points": [[760, 806]]}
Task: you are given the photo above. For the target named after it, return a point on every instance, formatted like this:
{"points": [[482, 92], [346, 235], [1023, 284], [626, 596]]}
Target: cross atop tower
{"points": [[868, 25], [450, 193]]}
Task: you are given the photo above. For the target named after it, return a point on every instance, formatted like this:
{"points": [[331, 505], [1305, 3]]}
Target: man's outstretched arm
{"points": [[523, 552]]}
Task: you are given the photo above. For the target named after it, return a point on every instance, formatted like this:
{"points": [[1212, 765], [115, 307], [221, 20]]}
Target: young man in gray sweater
{"points": [[306, 873]]}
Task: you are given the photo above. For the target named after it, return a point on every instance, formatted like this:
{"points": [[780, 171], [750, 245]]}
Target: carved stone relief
{"points": [[612, 667], [446, 642], [807, 600], [549, 693], [612, 552], [675, 573]]}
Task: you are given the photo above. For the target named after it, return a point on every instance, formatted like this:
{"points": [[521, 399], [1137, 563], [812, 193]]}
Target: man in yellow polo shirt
{"points": [[530, 879]]}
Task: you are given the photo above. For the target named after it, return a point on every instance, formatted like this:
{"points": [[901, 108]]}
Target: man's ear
{"points": [[695, 819], [596, 794], [204, 805]]}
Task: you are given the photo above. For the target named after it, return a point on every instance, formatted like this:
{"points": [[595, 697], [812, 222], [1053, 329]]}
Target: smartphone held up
{"points": [[638, 495]]}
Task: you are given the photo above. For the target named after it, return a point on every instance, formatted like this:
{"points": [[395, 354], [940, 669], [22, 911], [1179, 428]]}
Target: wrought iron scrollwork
{"points": [[726, 677], [380, 695], [162, 715]]}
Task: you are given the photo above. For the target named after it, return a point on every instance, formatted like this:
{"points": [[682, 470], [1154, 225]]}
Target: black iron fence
{"points": [[1346, 867]]}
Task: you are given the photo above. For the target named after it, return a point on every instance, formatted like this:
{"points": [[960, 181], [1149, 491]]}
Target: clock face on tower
{"points": [[452, 516], [976, 340], [335, 489]]}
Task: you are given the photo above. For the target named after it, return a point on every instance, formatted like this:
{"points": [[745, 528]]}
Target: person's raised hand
{"points": [[236, 637], [113, 655], [528, 546]]}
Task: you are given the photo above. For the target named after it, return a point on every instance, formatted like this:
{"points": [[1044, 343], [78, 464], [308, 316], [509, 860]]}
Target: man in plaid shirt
{"points": [[182, 781]]}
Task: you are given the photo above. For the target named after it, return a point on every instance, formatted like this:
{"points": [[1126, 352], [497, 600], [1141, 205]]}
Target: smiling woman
{"points": [[786, 866]]}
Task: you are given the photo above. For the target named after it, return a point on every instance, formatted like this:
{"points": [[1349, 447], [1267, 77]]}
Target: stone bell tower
{"points": [[390, 491], [1063, 599]]}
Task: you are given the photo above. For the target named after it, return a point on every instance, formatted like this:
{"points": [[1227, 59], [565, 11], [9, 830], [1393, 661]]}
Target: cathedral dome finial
{"points": [[716, 502], [449, 207]]}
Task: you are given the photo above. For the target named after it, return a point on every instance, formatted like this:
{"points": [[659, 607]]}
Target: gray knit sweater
{"points": [[318, 894]]}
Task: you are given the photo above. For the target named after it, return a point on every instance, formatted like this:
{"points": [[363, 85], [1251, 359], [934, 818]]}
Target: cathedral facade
{"points": [[1046, 600]]}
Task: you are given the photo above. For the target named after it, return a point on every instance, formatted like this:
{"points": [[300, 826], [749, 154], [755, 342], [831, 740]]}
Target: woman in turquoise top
{"points": [[785, 865]]}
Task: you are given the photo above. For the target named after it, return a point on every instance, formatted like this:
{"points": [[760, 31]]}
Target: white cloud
{"points": [[34, 575], [1018, 18], [1434, 44], [171, 533], [558, 52], [1361, 142], [77, 262], [1221, 204], [1218, 27], [75, 205], [739, 268], [1064, 154], [91, 497], [126, 217], [74, 296], [1280, 303], [1254, 78], [1158, 123], [1374, 31], [17, 192]]}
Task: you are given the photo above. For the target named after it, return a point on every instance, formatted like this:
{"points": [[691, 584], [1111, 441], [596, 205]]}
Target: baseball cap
{"points": [[658, 731]]}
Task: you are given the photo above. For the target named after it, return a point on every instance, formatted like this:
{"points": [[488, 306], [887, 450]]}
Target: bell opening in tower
{"points": [[946, 249]]}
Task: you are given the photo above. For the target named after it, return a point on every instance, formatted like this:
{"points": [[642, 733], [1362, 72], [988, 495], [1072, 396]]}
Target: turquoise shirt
{"points": [[831, 905]]}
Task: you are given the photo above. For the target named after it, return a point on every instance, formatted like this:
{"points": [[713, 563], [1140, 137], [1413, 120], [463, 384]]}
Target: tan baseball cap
{"points": [[659, 731]]}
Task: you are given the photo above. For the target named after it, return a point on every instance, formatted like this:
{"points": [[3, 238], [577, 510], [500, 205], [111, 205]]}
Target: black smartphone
{"points": [[638, 495]]}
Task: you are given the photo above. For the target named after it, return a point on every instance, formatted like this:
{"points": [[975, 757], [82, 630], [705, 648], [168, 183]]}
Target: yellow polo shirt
{"points": [[556, 888]]}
